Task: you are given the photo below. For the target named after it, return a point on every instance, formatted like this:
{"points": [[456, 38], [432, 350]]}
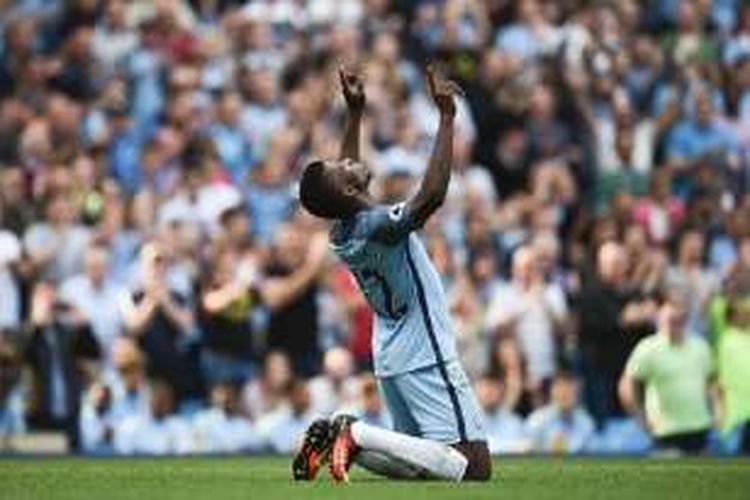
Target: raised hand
{"points": [[353, 89], [42, 303], [443, 92]]}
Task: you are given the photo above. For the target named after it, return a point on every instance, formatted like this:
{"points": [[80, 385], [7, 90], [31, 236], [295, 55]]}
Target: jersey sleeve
{"points": [[390, 224]]}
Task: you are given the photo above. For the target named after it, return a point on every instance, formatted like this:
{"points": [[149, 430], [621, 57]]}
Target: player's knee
{"points": [[479, 467], [478, 471]]}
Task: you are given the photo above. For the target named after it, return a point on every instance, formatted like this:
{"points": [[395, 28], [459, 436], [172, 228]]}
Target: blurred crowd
{"points": [[161, 291]]}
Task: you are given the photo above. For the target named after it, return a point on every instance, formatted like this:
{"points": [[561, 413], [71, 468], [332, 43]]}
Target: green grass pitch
{"points": [[268, 479]]}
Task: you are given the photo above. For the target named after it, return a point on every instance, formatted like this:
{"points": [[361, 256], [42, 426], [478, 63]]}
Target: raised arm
{"points": [[434, 187], [354, 94]]}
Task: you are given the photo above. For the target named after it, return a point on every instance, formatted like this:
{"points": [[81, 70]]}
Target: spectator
{"points": [[19, 39], [113, 38], [132, 164], [690, 277], [12, 421], [269, 193], [127, 384], [368, 405], [79, 74], [268, 392], [163, 324], [737, 277], [290, 293], [263, 114], [505, 430], [562, 426], [200, 199], [17, 211], [702, 136], [506, 366], [547, 137], [729, 250], [228, 300], [97, 421], [468, 303], [231, 146], [625, 180], [96, 296], [732, 350], [533, 312], [284, 426], [622, 316], [531, 36], [482, 263], [156, 432], [659, 212], [60, 350], [335, 387], [10, 306], [221, 428], [236, 230], [180, 242], [56, 246], [648, 263], [667, 382]]}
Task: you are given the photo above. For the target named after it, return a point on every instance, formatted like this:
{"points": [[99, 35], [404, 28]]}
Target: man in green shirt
{"points": [[732, 349], [667, 382]]}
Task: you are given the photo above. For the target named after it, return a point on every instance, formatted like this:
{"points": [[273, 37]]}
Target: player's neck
{"points": [[360, 203]]}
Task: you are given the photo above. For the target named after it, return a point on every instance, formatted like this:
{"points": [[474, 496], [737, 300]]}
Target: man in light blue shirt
{"points": [[505, 430], [263, 115], [531, 36], [702, 136], [231, 145], [438, 429], [97, 422], [96, 297], [156, 432], [562, 426], [221, 428], [281, 429]]}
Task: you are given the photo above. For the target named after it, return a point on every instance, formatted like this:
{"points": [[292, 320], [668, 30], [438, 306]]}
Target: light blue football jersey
{"points": [[412, 325]]}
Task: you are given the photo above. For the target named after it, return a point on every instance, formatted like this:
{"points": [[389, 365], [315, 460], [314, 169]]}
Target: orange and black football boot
{"points": [[314, 452], [344, 449]]}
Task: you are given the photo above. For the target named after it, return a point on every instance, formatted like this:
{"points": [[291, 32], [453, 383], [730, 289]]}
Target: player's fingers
{"points": [[355, 78], [431, 83], [354, 81], [352, 71], [342, 77], [455, 88]]}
